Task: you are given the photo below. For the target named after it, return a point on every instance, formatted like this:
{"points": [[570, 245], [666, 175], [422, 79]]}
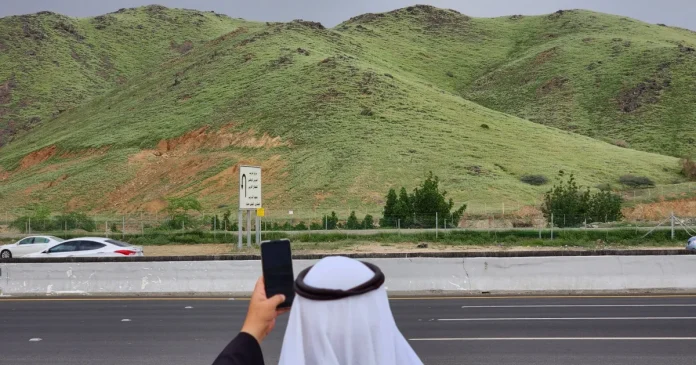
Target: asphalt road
{"points": [[539, 330]]}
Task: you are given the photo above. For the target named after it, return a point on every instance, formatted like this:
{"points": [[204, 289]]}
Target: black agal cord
{"points": [[312, 293]]}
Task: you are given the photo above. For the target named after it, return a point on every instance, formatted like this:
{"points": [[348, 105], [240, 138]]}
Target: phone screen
{"points": [[276, 262]]}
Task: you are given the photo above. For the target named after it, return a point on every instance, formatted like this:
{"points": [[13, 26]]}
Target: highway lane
{"points": [[529, 330]]}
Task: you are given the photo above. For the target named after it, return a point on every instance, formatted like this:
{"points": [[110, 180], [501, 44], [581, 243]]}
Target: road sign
{"points": [[260, 212], [249, 187]]}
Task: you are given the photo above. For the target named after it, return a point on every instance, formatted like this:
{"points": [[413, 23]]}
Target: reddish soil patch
{"points": [[6, 91], [154, 206], [551, 85], [545, 56], [330, 95], [659, 211], [3, 47], [647, 92], [57, 181], [175, 166], [90, 152], [225, 182], [229, 35], [224, 138], [184, 98], [75, 204], [4, 175], [38, 157], [183, 48]]}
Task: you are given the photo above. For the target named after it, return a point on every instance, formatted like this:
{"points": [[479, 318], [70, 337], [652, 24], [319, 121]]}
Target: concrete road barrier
{"points": [[419, 276]]}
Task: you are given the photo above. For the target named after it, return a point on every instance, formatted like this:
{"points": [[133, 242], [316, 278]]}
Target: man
{"points": [[245, 349]]}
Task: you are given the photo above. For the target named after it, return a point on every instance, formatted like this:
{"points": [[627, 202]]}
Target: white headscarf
{"points": [[357, 330]]}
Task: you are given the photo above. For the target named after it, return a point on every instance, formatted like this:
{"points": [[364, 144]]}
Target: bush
{"points": [[352, 222], [368, 222], [536, 180], [179, 221], [425, 203], [636, 181], [301, 226], [332, 221], [569, 205], [485, 126], [39, 221], [75, 220], [316, 226], [688, 168]]}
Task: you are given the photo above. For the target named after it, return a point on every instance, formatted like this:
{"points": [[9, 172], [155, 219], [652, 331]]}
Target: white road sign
{"points": [[249, 187]]}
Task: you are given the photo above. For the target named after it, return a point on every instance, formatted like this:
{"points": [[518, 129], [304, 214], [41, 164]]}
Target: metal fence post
{"points": [[123, 227], [672, 221], [436, 227], [551, 226]]}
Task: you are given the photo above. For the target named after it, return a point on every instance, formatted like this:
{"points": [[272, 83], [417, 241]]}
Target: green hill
{"points": [[335, 117], [608, 77], [51, 63]]}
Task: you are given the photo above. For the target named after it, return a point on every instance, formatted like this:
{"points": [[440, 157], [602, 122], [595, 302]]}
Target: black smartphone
{"points": [[276, 263]]}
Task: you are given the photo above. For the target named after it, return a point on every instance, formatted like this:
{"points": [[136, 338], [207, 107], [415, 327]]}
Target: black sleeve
{"points": [[243, 350]]}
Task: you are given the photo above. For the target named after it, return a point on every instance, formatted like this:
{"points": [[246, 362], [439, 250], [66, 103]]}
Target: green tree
{"points": [[404, 209], [429, 202], [352, 222], [389, 214], [332, 221], [301, 226], [39, 220], [75, 220], [226, 223], [368, 222], [177, 209]]}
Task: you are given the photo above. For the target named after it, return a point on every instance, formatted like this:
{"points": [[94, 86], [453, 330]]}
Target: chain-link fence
{"points": [[148, 223]]}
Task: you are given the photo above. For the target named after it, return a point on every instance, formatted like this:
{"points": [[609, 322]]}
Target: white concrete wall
{"points": [[404, 276]]}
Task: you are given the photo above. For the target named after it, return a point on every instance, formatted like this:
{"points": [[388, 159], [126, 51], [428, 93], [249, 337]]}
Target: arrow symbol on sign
{"points": [[244, 184]]}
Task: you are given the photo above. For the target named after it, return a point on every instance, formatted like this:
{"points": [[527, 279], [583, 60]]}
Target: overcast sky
{"points": [[680, 13]]}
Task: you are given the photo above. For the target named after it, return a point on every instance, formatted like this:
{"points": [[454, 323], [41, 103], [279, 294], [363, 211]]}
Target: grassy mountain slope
{"points": [[334, 123], [51, 63], [604, 76]]}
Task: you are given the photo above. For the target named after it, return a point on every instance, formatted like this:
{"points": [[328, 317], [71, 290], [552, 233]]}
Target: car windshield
{"points": [[118, 243], [57, 239]]}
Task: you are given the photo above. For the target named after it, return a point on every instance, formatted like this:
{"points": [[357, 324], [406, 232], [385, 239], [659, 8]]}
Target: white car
{"points": [[90, 247], [28, 245]]}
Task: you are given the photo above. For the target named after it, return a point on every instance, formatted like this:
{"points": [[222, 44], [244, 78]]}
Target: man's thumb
{"points": [[277, 300]]}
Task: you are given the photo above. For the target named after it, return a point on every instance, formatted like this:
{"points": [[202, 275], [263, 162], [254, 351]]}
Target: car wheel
{"points": [[6, 254]]}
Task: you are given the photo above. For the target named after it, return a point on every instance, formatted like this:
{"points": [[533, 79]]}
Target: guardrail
{"points": [[407, 274]]}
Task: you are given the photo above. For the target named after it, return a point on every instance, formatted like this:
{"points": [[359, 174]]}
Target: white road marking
{"points": [[570, 319], [34, 339], [580, 306], [125, 320], [558, 339], [189, 307]]}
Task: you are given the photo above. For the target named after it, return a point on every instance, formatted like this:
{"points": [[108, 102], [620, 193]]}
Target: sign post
{"points": [[249, 200]]}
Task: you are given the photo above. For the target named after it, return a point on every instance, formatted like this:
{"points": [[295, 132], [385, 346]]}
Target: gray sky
{"points": [[680, 13]]}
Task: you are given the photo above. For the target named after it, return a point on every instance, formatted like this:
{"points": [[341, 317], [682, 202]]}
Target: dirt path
{"points": [[360, 247]]}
